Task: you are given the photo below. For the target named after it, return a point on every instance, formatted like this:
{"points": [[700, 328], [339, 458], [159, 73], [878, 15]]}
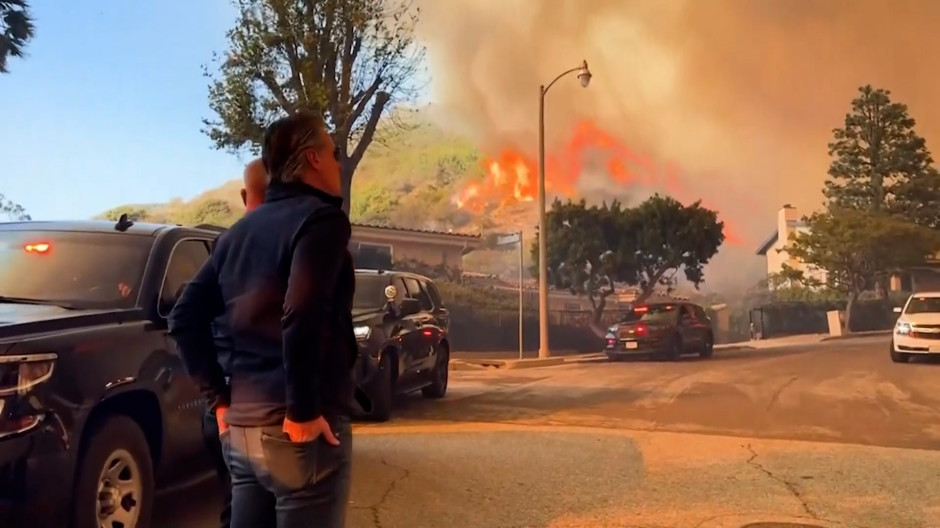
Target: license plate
{"points": [[629, 345]]}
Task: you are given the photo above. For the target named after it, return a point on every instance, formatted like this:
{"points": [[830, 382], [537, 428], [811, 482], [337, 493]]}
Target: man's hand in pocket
{"points": [[220, 418], [309, 431]]}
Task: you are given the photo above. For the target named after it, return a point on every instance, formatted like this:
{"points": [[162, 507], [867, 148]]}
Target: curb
{"points": [[743, 521], [456, 364], [856, 335], [600, 357], [534, 363], [733, 347], [514, 364]]}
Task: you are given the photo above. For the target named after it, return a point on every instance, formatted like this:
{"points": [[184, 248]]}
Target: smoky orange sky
{"points": [[741, 95]]}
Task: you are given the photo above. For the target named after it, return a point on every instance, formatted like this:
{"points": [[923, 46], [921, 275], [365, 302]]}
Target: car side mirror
{"points": [[409, 307], [897, 309]]}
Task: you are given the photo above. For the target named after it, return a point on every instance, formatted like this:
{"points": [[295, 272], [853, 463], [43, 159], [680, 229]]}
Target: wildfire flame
{"points": [[511, 177]]}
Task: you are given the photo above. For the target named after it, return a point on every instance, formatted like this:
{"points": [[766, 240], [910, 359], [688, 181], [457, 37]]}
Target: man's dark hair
{"points": [[285, 140]]}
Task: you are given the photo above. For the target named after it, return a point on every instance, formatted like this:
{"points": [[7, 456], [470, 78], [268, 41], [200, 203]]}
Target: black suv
{"points": [[96, 411], [401, 327]]}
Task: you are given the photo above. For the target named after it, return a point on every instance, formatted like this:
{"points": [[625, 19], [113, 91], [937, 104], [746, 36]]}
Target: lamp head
{"points": [[584, 75]]}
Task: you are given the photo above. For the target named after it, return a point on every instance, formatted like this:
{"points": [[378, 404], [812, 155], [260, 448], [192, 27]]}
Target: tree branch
{"points": [[381, 99], [289, 47], [267, 77], [362, 99]]}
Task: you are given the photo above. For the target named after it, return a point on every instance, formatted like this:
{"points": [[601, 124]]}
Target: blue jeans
{"points": [[308, 481], [210, 435]]}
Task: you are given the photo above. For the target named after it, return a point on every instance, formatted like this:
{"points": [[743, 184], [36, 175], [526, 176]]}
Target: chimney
{"points": [[785, 217]]}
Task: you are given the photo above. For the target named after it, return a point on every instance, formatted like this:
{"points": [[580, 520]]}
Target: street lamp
{"points": [[584, 76]]}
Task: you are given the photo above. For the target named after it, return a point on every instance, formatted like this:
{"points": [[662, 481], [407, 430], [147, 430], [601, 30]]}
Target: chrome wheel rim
{"points": [[119, 491]]}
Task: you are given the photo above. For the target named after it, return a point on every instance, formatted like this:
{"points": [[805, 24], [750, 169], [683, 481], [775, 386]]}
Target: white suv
{"points": [[918, 328]]}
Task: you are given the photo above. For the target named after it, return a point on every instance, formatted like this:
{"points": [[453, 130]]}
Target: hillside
{"points": [[408, 180]]}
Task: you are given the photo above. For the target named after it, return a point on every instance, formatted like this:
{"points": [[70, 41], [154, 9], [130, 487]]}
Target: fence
{"points": [[792, 318], [488, 329]]}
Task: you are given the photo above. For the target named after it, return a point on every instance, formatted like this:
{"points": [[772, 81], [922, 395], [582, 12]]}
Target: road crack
{"points": [[377, 507], [776, 394], [791, 487]]}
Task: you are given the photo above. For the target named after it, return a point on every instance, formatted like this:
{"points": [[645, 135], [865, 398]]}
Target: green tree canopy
{"points": [[880, 163], [671, 237], [854, 246], [592, 248], [582, 250], [216, 212], [135, 213], [348, 60], [11, 210], [16, 30]]}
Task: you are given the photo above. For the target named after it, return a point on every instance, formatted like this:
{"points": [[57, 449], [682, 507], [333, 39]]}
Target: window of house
{"points": [[372, 256]]}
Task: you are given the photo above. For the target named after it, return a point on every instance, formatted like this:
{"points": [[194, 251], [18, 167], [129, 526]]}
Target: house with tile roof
{"points": [[376, 246]]}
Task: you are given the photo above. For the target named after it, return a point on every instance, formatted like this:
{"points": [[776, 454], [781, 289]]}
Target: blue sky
{"points": [[106, 107]]}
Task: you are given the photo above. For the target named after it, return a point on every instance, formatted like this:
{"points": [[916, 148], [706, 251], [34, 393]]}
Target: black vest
{"points": [[253, 260]]}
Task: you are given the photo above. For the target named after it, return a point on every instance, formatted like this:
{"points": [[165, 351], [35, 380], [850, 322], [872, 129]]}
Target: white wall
{"points": [[788, 220]]}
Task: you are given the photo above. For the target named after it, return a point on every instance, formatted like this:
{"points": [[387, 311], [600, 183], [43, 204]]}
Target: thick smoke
{"points": [[741, 94]]}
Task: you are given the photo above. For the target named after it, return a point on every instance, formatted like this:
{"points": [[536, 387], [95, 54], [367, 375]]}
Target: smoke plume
{"points": [[741, 95]]}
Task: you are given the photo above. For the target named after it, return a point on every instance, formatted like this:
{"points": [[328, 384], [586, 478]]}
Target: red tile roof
{"points": [[411, 230]]}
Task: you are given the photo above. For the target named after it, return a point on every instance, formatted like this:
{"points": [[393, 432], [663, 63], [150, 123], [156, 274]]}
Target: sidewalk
{"points": [[506, 359]]}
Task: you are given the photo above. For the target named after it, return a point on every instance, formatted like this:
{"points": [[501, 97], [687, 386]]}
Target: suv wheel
{"points": [[438, 387], [899, 357], [384, 391], [708, 348], [114, 483]]}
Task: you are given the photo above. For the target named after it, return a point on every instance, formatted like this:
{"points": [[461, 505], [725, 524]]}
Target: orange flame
{"points": [[511, 177]]}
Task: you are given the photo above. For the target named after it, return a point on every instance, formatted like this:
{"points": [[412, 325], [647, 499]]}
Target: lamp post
{"points": [[584, 75]]}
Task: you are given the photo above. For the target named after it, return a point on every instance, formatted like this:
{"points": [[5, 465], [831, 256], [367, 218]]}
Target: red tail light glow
{"points": [[426, 332], [641, 309], [641, 329], [39, 247]]}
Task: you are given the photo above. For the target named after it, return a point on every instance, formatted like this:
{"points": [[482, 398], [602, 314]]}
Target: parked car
{"points": [[917, 331], [96, 411], [665, 330], [401, 327]]}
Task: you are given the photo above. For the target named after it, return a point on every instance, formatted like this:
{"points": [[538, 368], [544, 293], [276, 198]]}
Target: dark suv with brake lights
{"points": [[401, 328], [96, 411], [662, 331]]}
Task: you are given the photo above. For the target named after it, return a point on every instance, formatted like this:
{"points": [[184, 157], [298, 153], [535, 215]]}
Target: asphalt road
{"points": [[829, 435]]}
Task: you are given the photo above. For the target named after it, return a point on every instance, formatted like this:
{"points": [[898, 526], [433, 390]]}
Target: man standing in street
{"points": [[284, 279], [255, 181]]}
